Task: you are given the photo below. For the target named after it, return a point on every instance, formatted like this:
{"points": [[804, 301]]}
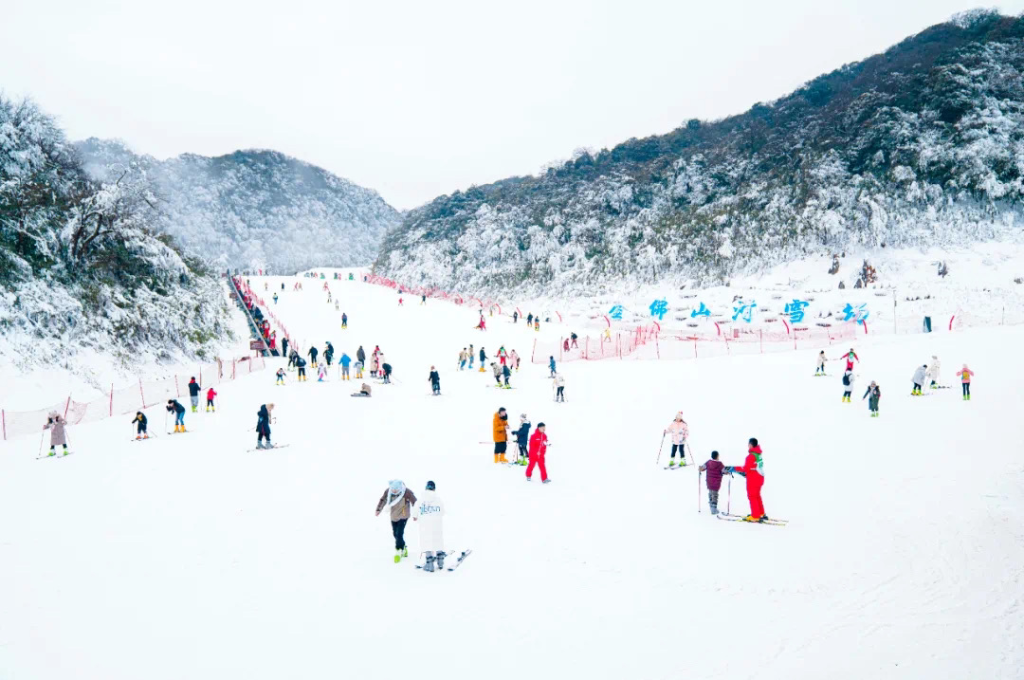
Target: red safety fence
{"points": [[129, 399]]}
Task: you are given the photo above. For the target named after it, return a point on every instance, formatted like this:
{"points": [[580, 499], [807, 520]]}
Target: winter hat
{"points": [[430, 486], [522, 416], [396, 486], [679, 415]]}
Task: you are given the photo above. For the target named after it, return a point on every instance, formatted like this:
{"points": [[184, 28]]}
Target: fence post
{"points": [[3, 419], [142, 394], [66, 407], [533, 353], [111, 400], [177, 390]]}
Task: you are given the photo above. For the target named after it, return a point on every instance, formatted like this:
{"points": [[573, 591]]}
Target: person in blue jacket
{"points": [[551, 365], [345, 361]]}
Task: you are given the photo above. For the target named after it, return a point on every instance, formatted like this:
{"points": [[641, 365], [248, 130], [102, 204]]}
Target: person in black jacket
{"points": [[140, 421], [435, 380], [193, 393], [387, 373], [284, 347], [301, 364], [361, 355], [313, 351], [179, 414], [329, 354], [522, 440], [263, 426]]}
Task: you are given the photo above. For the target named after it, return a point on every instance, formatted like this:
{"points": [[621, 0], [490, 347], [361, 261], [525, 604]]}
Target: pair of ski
{"points": [[269, 448], [56, 455], [677, 467], [740, 518], [458, 560]]}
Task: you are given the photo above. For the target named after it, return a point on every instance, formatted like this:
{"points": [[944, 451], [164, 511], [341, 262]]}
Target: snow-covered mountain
{"points": [[80, 265], [920, 145], [257, 209]]}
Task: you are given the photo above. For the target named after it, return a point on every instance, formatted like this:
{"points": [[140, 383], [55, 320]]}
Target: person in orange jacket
{"points": [[210, 395], [500, 427], [753, 470]]}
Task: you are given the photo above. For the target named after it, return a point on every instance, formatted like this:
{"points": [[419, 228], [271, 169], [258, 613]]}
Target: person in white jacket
{"points": [[429, 517], [559, 383], [933, 372], [918, 380], [680, 433]]}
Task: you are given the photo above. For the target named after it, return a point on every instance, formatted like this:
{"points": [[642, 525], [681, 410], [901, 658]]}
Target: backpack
{"points": [[846, 379]]}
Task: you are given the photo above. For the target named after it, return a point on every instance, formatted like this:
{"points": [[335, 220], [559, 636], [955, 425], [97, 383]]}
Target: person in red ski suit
{"points": [[850, 358], [538, 449], [753, 470]]}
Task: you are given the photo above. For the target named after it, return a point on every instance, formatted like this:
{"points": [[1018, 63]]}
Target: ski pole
{"points": [[699, 473], [728, 501], [42, 435], [660, 447]]}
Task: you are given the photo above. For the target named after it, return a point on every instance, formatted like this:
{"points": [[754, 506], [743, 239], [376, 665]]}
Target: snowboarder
{"points": [[313, 351], [300, 363], [934, 371], [429, 516], [506, 373], [483, 324], [435, 381], [211, 394], [847, 386], [538, 450], [344, 320], [179, 414], [820, 368], [753, 470], [965, 374], [551, 365], [400, 501], [345, 362], [714, 469], [918, 380], [55, 423], [680, 434], [193, 393], [500, 427], [559, 383], [263, 426], [280, 377], [387, 373], [523, 440], [141, 423], [462, 359], [850, 358], [873, 394]]}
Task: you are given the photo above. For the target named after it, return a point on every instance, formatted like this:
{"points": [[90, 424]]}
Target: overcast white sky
{"points": [[417, 99]]}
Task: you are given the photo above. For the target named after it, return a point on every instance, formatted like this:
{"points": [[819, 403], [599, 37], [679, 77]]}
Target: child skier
{"points": [[918, 380], [934, 371], [506, 373], [538, 451], [522, 440], [193, 393], [431, 511], [847, 386], [345, 362], [179, 414], [551, 365], [496, 370], [753, 470], [850, 358], [502, 355], [141, 422], [400, 501], [965, 374], [280, 377], [359, 370], [680, 433], [714, 469], [559, 383], [435, 381], [820, 369], [263, 426], [321, 372], [873, 394], [275, 298], [211, 394], [55, 423], [344, 320]]}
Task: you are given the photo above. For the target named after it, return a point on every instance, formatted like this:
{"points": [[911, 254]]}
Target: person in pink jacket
{"points": [[965, 375], [680, 433]]}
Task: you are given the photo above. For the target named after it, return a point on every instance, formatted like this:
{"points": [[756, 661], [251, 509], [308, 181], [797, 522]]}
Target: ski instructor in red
{"points": [[538, 449], [753, 470]]}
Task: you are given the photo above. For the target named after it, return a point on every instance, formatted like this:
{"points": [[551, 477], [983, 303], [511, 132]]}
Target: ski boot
{"points": [[66, 452], [405, 551], [429, 566], [671, 462], [51, 453], [502, 458], [546, 481], [440, 561], [398, 556]]}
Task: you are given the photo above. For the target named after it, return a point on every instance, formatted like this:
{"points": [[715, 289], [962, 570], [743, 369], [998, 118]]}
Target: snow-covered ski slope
{"points": [[186, 557]]}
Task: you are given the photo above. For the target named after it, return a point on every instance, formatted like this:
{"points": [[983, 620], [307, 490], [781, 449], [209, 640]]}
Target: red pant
{"points": [[754, 484], [537, 460]]}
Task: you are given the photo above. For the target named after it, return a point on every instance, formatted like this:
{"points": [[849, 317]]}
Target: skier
{"points": [[502, 355], [423, 299], [515, 360], [345, 362], [364, 391], [282, 286], [435, 381], [522, 440], [263, 426], [359, 370], [565, 345], [574, 339], [472, 355], [361, 355], [713, 468], [538, 450], [483, 358], [918, 380], [313, 351], [193, 393], [496, 370], [400, 501], [820, 369], [329, 353], [55, 423], [933, 372], [551, 365], [387, 373], [847, 385], [374, 364], [850, 358], [680, 434], [529, 319], [275, 298], [875, 393], [280, 377], [515, 317], [179, 414], [321, 372], [500, 427], [462, 359], [506, 373], [344, 320], [431, 511], [559, 383], [400, 304], [965, 374], [141, 422], [753, 470], [284, 347], [536, 324], [300, 363], [211, 394]]}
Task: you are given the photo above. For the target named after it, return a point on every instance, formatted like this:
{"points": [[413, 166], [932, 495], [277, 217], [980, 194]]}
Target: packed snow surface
{"points": [[188, 556]]}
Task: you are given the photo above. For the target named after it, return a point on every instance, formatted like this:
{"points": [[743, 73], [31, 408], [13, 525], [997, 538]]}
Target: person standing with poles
{"points": [[680, 433], [193, 393], [714, 469], [141, 422], [263, 426], [400, 501], [55, 423], [559, 383]]}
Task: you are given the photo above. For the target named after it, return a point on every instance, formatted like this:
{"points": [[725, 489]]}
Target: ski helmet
{"points": [[430, 486]]}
